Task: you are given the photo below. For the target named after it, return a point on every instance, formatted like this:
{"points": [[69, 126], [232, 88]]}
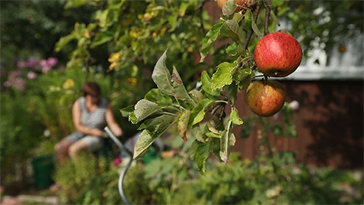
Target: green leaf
{"points": [[228, 8], [179, 89], [243, 77], [156, 96], [281, 12], [155, 128], [101, 17], [182, 123], [102, 38], [274, 18], [143, 109], [234, 117], [64, 41], [197, 132], [210, 39], [196, 95], [207, 84], [231, 92], [238, 17], [172, 20], [182, 9], [201, 154], [256, 29], [74, 3], [125, 112], [162, 77], [232, 30], [232, 139], [224, 143], [198, 113], [224, 75], [211, 134]]}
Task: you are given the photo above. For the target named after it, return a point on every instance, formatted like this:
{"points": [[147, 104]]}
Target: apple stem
{"points": [[250, 34], [267, 16], [265, 79]]}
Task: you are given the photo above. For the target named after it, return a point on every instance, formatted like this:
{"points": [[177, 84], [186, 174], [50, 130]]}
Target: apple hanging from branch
{"points": [[277, 54], [265, 98]]}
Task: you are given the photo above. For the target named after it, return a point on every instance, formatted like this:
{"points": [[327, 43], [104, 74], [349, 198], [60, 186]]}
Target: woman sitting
{"points": [[90, 115]]}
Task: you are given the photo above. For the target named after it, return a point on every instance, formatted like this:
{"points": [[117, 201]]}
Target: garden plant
{"points": [[176, 70]]}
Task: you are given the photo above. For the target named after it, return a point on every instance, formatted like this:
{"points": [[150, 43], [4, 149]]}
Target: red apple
{"points": [[265, 98], [240, 4], [277, 54]]}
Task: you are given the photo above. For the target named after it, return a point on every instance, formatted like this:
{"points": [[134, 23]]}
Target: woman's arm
{"points": [[117, 131], [76, 116]]}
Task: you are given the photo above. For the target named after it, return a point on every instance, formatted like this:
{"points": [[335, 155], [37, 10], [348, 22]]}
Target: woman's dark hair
{"points": [[91, 88]]}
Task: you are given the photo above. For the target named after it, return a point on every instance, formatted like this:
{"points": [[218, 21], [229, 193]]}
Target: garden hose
{"points": [[123, 171]]}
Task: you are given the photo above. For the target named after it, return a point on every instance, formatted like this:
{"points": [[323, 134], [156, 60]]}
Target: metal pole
{"points": [[123, 172]]}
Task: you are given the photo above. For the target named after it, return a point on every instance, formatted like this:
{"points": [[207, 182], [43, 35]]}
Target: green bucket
{"points": [[151, 155], [43, 167]]}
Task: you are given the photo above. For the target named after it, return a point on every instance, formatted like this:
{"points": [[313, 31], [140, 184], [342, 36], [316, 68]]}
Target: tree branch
{"points": [[250, 34], [268, 8]]}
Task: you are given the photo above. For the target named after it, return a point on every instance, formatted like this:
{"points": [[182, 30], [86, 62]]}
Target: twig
{"points": [[200, 15], [250, 34], [267, 16]]}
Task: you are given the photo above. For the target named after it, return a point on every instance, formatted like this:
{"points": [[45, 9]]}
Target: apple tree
{"points": [[201, 114], [132, 35]]}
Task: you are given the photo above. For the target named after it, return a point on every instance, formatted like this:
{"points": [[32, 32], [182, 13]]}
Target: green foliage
{"points": [[284, 127], [131, 32], [328, 23], [91, 180], [20, 132], [171, 180], [33, 121], [174, 180], [44, 22]]}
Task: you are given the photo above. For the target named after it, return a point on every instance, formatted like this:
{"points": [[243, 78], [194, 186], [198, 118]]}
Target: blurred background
{"points": [[50, 48]]}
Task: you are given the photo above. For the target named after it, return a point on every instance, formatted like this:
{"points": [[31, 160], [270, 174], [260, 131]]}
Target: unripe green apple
{"points": [[277, 54], [265, 98]]}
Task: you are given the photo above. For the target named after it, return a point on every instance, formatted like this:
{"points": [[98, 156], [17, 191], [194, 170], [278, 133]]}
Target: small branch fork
{"points": [[256, 10]]}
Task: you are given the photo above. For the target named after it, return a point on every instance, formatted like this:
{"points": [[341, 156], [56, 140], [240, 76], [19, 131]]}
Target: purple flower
{"points": [[32, 63], [52, 61], [31, 75]]}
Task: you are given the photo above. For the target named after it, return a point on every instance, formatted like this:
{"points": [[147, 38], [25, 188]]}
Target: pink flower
{"points": [[31, 75], [13, 74], [19, 84], [52, 61], [7, 84], [46, 69], [21, 64], [117, 161], [43, 63]]}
